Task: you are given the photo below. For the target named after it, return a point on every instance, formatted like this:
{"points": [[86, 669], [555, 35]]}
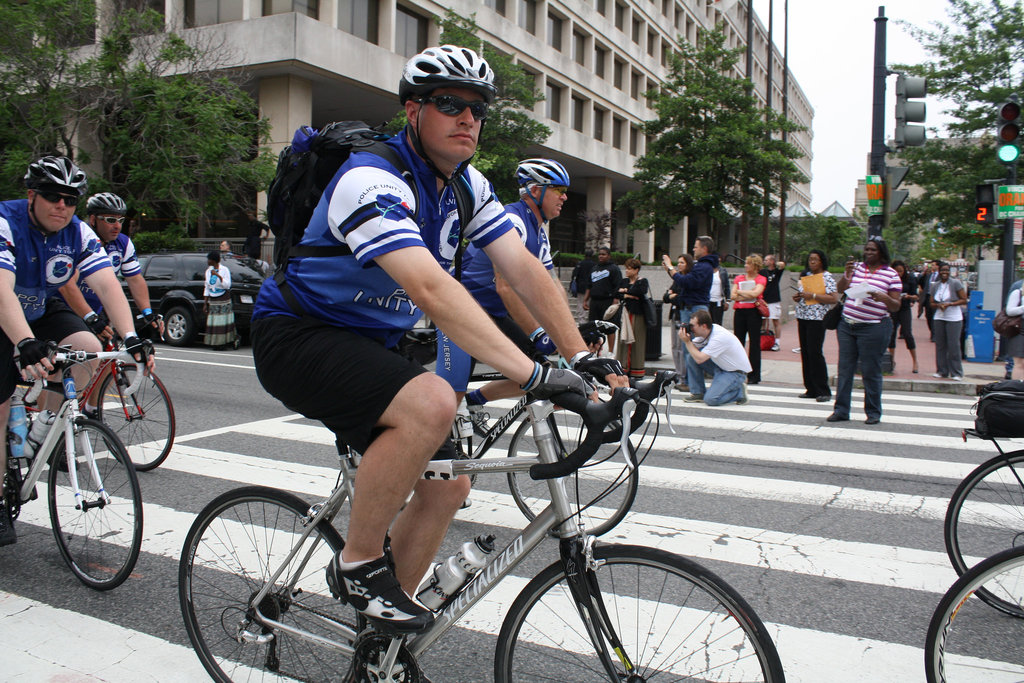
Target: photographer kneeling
{"points": [[716, 351]]}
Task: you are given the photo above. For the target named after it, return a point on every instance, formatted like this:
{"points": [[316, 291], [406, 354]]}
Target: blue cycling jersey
{"points": [[43, 262], [370, 207], [478, 271], [124, 261]]}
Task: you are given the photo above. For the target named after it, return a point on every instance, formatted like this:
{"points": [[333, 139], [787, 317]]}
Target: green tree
{"points": [[710, 149], [977, 62], [837, 238]]}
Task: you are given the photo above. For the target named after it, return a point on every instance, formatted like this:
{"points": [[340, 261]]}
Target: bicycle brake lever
{"points": [[668, 408], [627, 408]]}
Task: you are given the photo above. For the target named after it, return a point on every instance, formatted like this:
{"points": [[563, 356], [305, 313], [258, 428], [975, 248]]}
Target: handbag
{"points": [[612, 310], [1006, 325], [649, 310], [831, 318], [761, 307]]}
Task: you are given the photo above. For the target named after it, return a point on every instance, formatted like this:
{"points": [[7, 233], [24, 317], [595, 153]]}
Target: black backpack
{"points": [[304, 170]]}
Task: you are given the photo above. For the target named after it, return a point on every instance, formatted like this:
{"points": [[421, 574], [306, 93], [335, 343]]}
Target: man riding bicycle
{"points": [[324, 333], [42, 244]]}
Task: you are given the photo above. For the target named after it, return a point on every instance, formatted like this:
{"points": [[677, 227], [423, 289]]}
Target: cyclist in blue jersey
{"points": [[325, 330], [42, 244], [543, 184]]}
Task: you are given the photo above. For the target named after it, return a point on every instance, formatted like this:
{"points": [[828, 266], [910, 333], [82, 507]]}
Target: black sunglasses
{"points": [[54, 197], [452, 105]]}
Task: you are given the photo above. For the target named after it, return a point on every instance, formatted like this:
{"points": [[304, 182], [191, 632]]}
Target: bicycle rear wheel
{"points": [[675, 620], [969, 642], [604, 470], [143, 421], [233, 547], [99, 539], [986, 514]]}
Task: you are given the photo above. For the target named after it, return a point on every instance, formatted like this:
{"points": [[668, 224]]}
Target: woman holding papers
{"points": [[947, 296], [872, 292], [745, 318], [903, 319], [816, 292]]}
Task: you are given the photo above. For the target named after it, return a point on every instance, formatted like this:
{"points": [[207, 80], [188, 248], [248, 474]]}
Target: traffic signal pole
{"points": [[1009, 250], [878, 146]]}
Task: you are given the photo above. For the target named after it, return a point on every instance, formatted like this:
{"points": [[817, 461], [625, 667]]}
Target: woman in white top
{"points": [[220, 318], [1015, 345], [947, 296]]}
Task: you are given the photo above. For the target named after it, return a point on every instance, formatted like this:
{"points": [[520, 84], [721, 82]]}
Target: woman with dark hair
{"points": [[873, 291], [746, 320], [947, 296], [811, 307], [220, 319], [904, 318], [632, 290], [675, 301]]}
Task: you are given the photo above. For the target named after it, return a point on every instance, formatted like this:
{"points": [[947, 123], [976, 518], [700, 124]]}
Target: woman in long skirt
{"points": [[220, 318]]}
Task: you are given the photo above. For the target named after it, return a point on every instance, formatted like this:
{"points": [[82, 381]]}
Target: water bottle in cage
{"points": [[17, 429], [40, 425], [452, 574]]}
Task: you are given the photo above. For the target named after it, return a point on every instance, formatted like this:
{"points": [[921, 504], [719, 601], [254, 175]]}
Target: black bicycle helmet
{"points": [[448, 65], [58, 174], [106, 203]]}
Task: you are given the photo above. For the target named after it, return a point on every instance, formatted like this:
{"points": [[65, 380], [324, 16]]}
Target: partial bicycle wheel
{"points": [[604, 480], [143, 421], [99, 534], [969, 642], [236, 543], [674, 619], [986, 514]]}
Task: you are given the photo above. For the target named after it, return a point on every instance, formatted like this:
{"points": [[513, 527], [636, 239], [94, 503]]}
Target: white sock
{"points": [[349, 566]]}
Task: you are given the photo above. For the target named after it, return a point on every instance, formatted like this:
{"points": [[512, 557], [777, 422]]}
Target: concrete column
{"points": [[288, 102], [542, 22], [174, 15], [386, 25], [329, 13]]}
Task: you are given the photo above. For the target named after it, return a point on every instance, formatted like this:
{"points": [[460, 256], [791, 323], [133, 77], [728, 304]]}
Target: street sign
{"points": [[876, 195], [1010, 201]]}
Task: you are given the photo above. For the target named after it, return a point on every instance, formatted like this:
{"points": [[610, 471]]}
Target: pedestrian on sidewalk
{"points": [[865, 327], [714, 350], [948, 294], [672, 297], [902, 320], [746, 320], [811, 308], [772, 273], [1014, 347]]}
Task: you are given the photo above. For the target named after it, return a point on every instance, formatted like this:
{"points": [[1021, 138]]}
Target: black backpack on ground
{"points": [[1000, 409]]}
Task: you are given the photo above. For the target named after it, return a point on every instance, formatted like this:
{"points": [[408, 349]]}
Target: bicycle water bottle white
{"points": [[17, 428], [452, 574], [40, 425], [463, 422]]}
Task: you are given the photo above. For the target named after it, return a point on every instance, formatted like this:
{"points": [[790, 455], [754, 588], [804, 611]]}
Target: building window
{"points": [[206, 12], [579, 47], [555, 32], [637, 26], [602, 7], [617, 125], [311, 8], [636, 84], [553, 95], [577, 113], [359, 17], [652, 42], [528, 15], [410, 32], [496, 5], [600, 57], [619, 75], [634, 140], [599, 115], [620, 17]]}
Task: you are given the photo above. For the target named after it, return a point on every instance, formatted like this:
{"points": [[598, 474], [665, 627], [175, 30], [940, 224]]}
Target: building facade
{"points": [[317, 61]]}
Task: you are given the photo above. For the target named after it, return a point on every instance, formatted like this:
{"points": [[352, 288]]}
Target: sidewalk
{"points": [[783, 366]]}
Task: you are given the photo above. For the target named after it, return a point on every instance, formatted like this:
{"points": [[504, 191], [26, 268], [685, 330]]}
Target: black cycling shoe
{"points": [[7, 533], [376, 594]]}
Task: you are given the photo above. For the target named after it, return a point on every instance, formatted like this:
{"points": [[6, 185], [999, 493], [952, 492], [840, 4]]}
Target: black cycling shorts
{"points": [[57, 322], [326, 373]]}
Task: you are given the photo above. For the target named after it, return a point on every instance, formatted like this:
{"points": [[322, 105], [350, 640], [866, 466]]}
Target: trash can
{"points": [[653, 351]]}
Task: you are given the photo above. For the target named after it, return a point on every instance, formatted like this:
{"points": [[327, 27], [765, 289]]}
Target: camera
{"points": [[688, 327]]}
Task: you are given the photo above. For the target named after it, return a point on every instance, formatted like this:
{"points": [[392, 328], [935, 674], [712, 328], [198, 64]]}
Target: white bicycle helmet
{"points": [[541, 172], [56, 173], [106, 203], [448, 65]]}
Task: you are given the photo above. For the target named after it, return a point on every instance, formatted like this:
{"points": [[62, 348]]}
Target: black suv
{"points": [[175, 283]]}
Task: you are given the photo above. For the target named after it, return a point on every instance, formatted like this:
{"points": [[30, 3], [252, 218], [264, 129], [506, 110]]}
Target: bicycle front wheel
{"points": [[675, 621], [966, 640], [986, 514], [236, 543], [99, 534], [143, 421], [603, 481]]}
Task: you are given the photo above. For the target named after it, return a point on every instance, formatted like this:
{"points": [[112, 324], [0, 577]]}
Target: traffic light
{"points": [[907, 110], [985, 204], [1008, 131]]}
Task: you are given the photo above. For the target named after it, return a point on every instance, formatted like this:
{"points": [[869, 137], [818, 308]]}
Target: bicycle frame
{"points": [[500, 565]]}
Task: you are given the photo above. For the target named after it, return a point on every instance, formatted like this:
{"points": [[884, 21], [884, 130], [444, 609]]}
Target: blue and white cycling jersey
{"points": [[478, 271], [42, 263], [370, 207], [124, 261]]}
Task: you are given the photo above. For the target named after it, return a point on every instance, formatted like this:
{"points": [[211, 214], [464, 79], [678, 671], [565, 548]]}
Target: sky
{"points": [[831, 55]]}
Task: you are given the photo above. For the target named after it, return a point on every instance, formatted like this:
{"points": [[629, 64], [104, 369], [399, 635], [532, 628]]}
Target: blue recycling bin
{"points": [[981, 338]]}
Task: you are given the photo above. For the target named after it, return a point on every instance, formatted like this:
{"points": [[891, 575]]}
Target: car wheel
{"points": [[180, 327]]}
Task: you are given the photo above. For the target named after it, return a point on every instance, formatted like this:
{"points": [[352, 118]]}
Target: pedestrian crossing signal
{"points": [[984, 204]]}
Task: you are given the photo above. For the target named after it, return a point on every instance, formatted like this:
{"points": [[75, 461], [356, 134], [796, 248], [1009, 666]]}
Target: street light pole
{"points": [[878, 146]]}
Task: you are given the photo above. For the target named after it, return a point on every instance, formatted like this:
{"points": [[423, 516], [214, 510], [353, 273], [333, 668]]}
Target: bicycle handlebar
{"points": [[66, 355], [647, 393], [596, 416]]}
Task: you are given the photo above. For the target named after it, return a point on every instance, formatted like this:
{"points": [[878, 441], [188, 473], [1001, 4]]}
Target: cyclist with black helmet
{"points": [[324, 338], [42, 244]]}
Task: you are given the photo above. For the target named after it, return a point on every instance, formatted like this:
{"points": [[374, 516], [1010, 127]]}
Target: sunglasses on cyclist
{"points": [[112, 219], [558, 189], [54, 197], [452, 105]]}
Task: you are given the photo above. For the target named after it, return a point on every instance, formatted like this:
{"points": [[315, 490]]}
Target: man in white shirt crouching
{"points": [[715, 351]]}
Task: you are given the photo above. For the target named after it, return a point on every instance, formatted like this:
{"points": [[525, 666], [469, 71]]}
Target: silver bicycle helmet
{"points": [[57, 173], [106, 203], [541, 172], [448, 65]]}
